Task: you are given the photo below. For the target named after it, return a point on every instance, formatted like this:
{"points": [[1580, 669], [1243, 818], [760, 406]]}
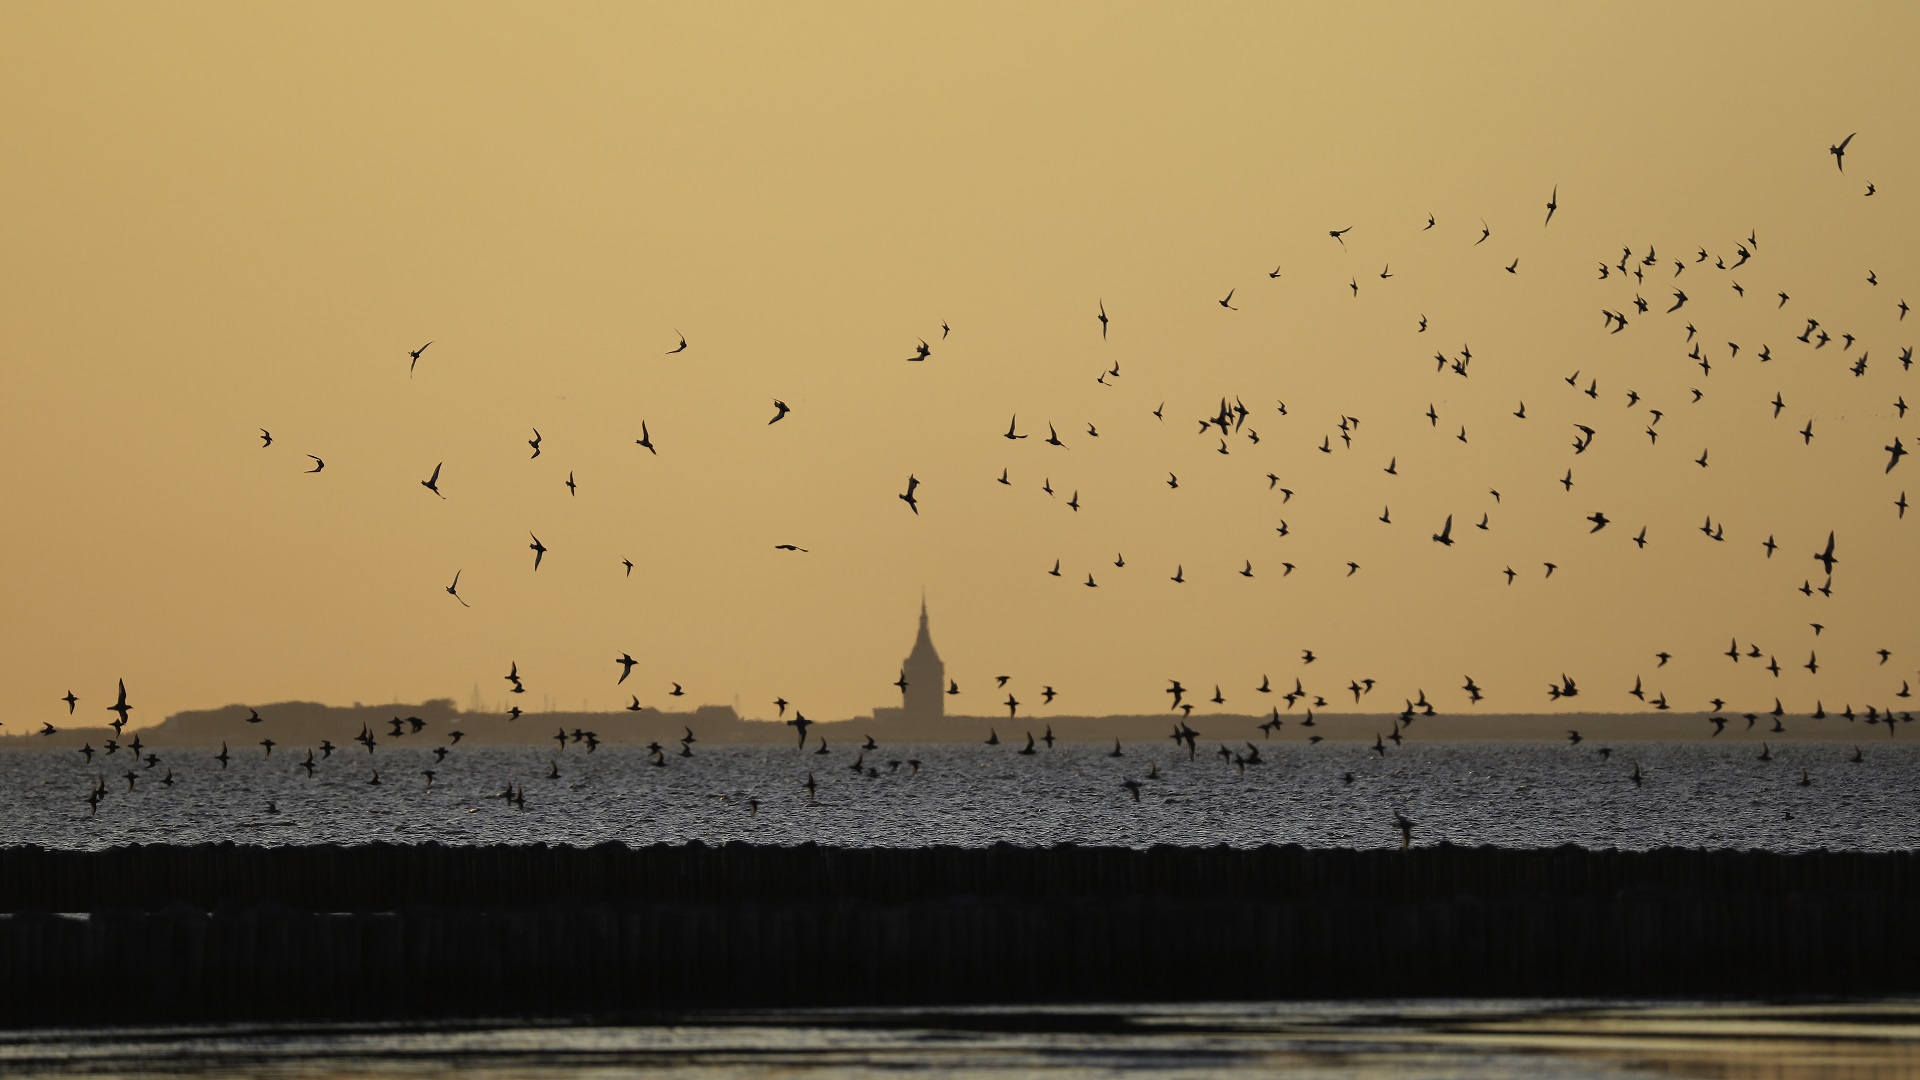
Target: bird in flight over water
{"points": [[121, 707]]}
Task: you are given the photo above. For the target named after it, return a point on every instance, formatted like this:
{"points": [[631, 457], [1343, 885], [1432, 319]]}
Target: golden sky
{"points": [[227, 217]]}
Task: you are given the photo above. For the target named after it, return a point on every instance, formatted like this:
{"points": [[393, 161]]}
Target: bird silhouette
{"points": [[1826, 558], [120, 707], [1839, 152]]}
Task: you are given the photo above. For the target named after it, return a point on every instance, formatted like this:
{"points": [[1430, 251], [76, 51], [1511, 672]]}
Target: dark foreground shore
{"points": [[216, 932]]}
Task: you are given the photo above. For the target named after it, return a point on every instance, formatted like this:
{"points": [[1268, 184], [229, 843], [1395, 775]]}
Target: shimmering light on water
{"points": [[1716, 794], [1494, 1040]]}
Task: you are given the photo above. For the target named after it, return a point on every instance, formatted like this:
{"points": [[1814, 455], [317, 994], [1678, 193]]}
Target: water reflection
{"points": [[1410, 1039]]}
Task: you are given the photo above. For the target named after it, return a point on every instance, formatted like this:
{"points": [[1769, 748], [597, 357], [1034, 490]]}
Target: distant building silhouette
{"points": [[925, 695]]}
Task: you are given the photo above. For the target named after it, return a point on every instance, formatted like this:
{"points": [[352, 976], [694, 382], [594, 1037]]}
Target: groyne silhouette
{"points": [[220, 932]]}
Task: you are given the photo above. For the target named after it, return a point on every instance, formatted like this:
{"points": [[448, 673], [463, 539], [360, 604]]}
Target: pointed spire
{"points": [[923, 649]]}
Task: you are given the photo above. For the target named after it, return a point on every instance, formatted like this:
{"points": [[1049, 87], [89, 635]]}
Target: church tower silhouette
{"points": [[925, 697]]}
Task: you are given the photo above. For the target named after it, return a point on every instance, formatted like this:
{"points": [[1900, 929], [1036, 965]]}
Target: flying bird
{"points": [[432, 483], [121, 707], [1839, 152]]}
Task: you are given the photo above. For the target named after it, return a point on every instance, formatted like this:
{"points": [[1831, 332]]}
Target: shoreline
{"points": [[293, 723]]}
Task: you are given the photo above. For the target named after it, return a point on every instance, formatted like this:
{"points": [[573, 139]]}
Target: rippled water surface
{"points": [[1494, 1040], [1515, 794]]}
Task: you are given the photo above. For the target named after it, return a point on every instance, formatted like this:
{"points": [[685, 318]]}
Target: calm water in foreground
{"points": [[1704, 794], [1419, 1039]]}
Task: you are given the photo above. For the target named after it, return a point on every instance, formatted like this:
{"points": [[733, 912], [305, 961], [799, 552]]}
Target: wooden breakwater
{"points": [[225, 932]]}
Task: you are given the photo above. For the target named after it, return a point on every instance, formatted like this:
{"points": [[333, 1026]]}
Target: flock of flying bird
{"points": [[1631, 271]]}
